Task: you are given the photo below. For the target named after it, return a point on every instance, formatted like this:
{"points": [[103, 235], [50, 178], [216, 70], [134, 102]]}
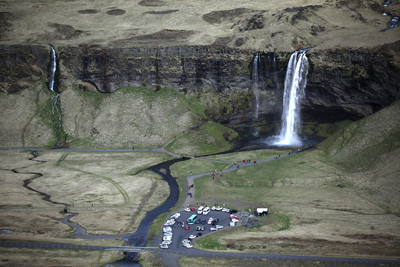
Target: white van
{"points": [[206, 210], [200, 210]]}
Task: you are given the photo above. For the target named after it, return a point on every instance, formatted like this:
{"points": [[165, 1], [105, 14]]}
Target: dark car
{"points": [[203, 222], [197, 221], [233, 211], [199, 234], [192, 209]]}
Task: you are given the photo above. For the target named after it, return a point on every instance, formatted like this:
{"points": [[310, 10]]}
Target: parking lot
{"points": [[180, 233]]}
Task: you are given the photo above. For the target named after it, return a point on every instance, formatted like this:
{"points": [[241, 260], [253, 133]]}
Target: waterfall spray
{"points": [[295, 83]]}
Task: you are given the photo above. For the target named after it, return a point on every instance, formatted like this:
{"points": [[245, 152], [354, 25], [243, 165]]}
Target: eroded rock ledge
{"points": [[345, 83]]}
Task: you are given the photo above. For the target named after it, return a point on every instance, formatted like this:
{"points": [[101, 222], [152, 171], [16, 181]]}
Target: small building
{"points": [[261, 211]]}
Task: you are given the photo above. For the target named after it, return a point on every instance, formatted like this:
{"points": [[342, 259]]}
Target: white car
{"points": [[218, 208], [188, 245], [206, 210], [167, 229], [219, 226], [228, 210], [192, 237], [164, 246], [170, 222], [224, 209], [200, 210], [167, 237], [213, 208], [167, 242], [210, 220], [185, 241], [213, 229], [187, 209], [168, 234], [176, 215]]}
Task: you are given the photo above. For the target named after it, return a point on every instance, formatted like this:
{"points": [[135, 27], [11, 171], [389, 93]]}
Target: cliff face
{"points": [[342, 83]]}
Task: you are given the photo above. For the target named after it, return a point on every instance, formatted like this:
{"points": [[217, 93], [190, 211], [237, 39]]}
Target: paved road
{"points": [[200, 253], [178, 249]]}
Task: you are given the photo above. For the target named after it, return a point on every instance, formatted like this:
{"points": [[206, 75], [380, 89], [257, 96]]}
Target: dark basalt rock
{"points": [[342, 83], [116, 12]]}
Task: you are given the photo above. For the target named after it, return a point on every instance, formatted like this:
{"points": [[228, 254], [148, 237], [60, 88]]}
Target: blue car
{"points": [[203, 222]]}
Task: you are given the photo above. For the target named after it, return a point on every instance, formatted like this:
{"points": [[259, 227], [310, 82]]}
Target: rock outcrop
{"points": [[342, 83]]}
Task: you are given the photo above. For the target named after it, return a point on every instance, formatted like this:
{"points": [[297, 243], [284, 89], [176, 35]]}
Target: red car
{"points": [[192, 209], [234, 217], [187, 227]]}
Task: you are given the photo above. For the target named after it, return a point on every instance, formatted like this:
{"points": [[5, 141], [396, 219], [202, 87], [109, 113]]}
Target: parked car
{"points": [[219, 226], [198, 228], [210, 220], [192, 209], [228, 210], [168, 234], [218, 208], [197, 221], [202, 228], [199, 234], [167, 229], [203, 222], [206, 211], [185, 241], [168, 242], [200, 210], [187, 209], [170, 222], [176, 215], [224, 209], [213, 208], [187, 227], [165, 246], [167, 237], [192, 237], [233, 211], [188, 245], [213, 229]]}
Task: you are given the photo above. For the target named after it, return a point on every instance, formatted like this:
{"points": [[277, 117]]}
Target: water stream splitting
{"points": [[295, 84], [55, 106]]}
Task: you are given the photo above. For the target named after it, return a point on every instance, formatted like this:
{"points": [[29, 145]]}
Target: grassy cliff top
{"points": [[262, 25]]}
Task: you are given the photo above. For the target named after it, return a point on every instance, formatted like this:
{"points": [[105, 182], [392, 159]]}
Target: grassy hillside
{"points": [[341, 198], [368, 151]]}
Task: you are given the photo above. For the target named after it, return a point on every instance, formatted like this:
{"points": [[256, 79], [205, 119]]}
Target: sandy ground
{"points": [[106, 191]]}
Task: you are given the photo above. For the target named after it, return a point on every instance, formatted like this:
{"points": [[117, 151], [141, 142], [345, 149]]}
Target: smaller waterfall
{"points": [[55, 105], [52, 70], [256, 78], [295, 83]]}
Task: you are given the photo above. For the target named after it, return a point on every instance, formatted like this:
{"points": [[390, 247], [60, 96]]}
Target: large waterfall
{"points": [[295, 83]]}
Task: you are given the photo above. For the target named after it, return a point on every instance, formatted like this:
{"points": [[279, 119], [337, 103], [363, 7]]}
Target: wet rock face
{"points": [[353, 83], [198, 69], [21, 66], [342, 83]]}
